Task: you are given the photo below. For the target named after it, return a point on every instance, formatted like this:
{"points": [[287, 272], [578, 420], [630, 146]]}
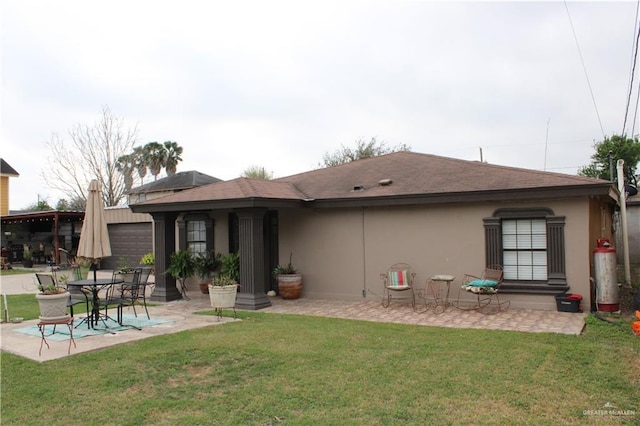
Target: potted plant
{"points": [[149, 261], [230, 266], [52, 299], [289, 280], [27, 258], [205, 265], [181, 267], [222, 293]]}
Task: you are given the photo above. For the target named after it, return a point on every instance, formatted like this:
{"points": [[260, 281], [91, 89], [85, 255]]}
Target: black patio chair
{"points": [[134, 292]]}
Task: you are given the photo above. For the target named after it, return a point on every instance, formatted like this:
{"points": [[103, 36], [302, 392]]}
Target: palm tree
{"points": [[140, 161], [156, 157], [173, 151], [124, 165]]}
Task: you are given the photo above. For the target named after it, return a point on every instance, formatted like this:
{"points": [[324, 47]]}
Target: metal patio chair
{"points": [[398, 283], [486, 291]]}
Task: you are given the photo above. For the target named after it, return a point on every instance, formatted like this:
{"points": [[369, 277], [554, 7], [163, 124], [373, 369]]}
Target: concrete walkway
{"points": [[182, 314]]}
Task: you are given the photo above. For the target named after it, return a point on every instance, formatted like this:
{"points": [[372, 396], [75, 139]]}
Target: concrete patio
{"points": [[184, 318]]}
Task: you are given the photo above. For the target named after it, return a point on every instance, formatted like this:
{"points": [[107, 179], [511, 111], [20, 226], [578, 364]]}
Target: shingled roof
{"points": [[413, 173], [6, 169], [177, 182], [396, 178]]}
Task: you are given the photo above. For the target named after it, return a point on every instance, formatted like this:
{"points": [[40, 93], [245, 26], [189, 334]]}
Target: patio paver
{"points": [[182, 312]]}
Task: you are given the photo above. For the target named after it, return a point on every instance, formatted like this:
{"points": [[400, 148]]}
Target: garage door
{"points": [[130, 241]]}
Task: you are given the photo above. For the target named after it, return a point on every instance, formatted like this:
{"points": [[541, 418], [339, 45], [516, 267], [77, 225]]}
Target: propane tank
{"points": [[604, 259]]}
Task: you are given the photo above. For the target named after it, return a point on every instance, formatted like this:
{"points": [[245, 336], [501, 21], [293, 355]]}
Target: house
{"points": [[346, 224], [6, 172], [131, 233]]}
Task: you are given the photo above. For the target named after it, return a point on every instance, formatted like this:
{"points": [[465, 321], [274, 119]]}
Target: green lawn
{"points": [[291, 369], [15, 271]]}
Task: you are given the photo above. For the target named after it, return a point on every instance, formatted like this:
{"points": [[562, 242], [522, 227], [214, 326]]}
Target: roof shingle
{"points": [[410, 174]]}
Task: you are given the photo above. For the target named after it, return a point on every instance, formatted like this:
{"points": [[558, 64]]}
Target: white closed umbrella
{"points": [[94, 239]]}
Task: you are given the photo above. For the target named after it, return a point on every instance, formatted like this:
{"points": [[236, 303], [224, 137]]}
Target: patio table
{"points": [[95, 286], [435, 284]]}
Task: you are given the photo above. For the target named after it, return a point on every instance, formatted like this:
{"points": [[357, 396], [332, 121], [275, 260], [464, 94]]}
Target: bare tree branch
{"points": [[91, 153]]}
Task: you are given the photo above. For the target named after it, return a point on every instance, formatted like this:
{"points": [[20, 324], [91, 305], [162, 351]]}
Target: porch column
{"points": [[164, 232], [252, 293]]}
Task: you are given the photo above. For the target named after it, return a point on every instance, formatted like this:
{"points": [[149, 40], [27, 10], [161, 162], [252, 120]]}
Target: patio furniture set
{"points": [[124, 288], [399, 283]]}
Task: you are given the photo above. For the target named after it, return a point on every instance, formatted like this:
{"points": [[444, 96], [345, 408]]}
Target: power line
{"points": [[635, 113], [585, 69], [633, 71]]}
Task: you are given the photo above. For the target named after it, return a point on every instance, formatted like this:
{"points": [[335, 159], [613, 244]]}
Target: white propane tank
{"points": [[604, 259]]}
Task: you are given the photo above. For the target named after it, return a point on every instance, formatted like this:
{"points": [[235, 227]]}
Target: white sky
{"points": [[280, 83]]}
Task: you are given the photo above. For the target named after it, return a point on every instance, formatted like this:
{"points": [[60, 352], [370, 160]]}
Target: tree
{"points": [[153, 157], [620, 147], [40, 206], [140, 161], [77, 204], [257, 172], [172, 157], [363, 149], [126, 165], [156, 155], [91, 153]]}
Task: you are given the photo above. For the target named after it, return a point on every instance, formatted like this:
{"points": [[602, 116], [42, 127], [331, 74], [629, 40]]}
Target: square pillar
{"points": [[252, 293], [164, 230]]}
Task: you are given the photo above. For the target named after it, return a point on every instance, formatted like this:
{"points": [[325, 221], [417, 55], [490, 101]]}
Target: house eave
{"points": [[252, 202], [377, 201], [466, 197]]}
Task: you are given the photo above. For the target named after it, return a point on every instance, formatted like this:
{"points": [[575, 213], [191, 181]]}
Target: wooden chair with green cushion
{"points": [[485, 289], [398, 283]]}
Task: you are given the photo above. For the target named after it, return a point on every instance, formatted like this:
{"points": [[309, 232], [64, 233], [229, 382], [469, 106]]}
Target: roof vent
{"points": [[385, 182], [358, 188]]}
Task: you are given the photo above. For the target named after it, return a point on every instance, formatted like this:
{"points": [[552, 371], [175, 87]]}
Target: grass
{"points": [[15, 271], [26, 306], [291, 369]]}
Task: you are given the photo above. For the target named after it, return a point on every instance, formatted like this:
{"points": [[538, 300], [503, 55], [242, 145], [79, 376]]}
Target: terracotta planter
{"points": [[53, 307], [204, 287], [223, 296], [290, 286]]}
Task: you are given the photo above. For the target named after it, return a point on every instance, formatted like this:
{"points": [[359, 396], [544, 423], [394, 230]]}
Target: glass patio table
{"points": [[95, 285]]}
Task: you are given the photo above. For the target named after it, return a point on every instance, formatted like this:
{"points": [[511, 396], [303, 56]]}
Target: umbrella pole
{"points": [[93, 268]]}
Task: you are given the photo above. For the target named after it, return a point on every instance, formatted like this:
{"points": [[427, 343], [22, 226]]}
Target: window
{"points": [[195, 232], [524, 245], [529, 245], [196, 236]]}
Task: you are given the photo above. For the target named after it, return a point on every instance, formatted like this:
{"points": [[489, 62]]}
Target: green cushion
{"points": [[481, 286], [482, 283]]}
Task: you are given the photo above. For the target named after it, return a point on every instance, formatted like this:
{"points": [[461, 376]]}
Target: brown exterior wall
{"points": [[342, 252]]}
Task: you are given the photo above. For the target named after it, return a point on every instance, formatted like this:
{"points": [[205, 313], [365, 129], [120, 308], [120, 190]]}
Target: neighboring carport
{"points": [[56, 229]]}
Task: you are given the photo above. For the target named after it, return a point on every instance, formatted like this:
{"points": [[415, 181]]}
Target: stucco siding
{"points": [[327, 248], [342, 252]]}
